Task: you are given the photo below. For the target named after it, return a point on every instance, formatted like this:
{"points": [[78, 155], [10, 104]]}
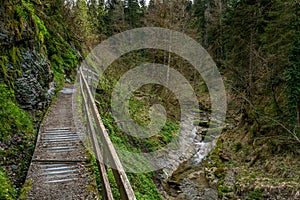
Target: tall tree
{"points": [[133, 12], [115, 18], [241, 33], [292, 72], [260, 44], [198, 20]]}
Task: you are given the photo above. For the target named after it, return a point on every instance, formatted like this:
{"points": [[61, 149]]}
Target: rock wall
{"points": [[31, 88], [24, 66], [36, 50]]}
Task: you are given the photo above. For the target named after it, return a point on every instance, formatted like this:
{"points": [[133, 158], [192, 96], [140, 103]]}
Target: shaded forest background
{"points": [[254, 43]]}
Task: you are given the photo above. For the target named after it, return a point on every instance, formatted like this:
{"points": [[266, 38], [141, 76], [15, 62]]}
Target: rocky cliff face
{"points": [[37, 48], [32, 87], [25, 68]]}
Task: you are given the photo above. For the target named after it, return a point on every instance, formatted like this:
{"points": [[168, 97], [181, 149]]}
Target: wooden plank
{"points": [[121, 178]]}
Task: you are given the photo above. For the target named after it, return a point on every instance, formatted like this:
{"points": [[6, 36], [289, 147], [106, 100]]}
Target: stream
{"points": [[185, 177]]}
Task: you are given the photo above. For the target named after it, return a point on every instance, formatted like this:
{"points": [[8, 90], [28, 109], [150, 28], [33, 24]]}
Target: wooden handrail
{"points": [[109, 153], [106, 193]]}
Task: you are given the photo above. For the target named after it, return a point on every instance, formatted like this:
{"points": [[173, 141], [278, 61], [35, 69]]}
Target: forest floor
{"points": [[257, 168]]}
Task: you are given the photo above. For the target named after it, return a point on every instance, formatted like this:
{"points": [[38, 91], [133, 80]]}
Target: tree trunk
{"points": [[298, 115], [251, 65]]}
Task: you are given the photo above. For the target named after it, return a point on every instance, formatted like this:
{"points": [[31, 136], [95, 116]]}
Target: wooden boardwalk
{"points": [[59, 168]]}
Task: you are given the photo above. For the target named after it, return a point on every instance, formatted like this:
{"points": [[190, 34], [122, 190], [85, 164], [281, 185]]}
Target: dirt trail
{"points": [[60, 113], [59, 169]]}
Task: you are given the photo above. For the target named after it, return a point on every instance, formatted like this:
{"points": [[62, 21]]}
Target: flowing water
{"points": [[185, 178]]}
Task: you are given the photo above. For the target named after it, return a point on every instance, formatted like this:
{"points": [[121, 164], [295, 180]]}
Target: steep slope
{"points": [[38, 53]]}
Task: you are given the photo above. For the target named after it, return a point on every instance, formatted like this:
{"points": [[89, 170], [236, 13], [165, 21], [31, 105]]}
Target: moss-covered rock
{"points": [[31, 87]]}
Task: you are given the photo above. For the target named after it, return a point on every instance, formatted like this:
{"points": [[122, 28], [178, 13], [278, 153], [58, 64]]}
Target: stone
{"points": [[36, 76]]}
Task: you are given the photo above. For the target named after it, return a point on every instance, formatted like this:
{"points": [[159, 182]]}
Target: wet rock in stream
{"points": [[189, 182], [188, 179]]}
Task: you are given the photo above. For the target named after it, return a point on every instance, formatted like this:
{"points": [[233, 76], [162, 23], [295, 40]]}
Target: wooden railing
{"points": [[104, 149]]}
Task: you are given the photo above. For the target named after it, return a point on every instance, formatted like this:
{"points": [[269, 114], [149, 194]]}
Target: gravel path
{"points": [[59, 169]]}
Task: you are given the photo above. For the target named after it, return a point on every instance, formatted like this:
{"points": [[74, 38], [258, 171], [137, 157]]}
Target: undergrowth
{"points": [[12, 119], [6, 190], [16, 141], [142, 183]]}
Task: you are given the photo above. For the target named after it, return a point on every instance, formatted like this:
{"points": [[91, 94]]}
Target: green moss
{"points": [[223, 189], [238, 146], [15, 123], [28, 6], [57, 63], [63, 58], [26, 187], [113, 184], [144, 186], [214, 156], [3, 69], [41, 25], [255, 195], [26, 11], [7, 192], [12, 118], [41, 30], [139, 111], [15, 56], [21, 12]]}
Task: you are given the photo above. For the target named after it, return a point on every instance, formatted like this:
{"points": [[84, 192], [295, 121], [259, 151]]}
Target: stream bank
{"points": [[237, 168], [188, 178]]}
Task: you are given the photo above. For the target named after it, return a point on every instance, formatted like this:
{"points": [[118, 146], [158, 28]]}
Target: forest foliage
{"points": [[255, 44]]}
